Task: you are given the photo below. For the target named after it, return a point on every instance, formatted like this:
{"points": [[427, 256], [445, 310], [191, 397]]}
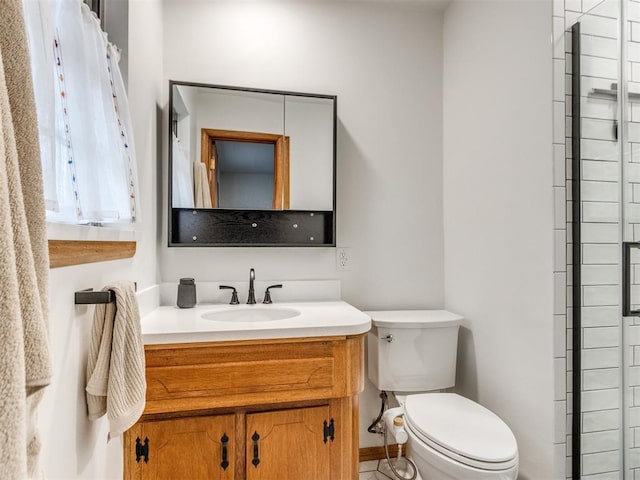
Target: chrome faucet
{"points": [[252, 294]]}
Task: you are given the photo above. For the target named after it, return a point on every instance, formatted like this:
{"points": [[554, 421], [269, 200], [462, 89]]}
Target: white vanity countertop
{"points": [[177, 325]]}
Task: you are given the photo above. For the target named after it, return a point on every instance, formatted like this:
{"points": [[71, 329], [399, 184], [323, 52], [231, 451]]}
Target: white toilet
{"points": [[450, 437]]}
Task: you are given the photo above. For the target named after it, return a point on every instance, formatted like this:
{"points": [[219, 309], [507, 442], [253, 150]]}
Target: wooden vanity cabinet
{"points": [[255, 410]]}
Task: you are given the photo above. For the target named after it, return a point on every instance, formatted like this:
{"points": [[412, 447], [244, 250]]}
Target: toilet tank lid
{"points": [[414, 318]]}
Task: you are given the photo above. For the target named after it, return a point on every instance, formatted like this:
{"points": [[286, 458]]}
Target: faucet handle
{"points": [[234, 295], [267, 294]]}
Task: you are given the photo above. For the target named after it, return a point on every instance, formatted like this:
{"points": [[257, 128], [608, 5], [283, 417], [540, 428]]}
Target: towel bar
{"points": [[88, 296]]}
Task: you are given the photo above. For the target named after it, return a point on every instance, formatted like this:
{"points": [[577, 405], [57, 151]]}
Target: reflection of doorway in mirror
{"points": [[246, 170]]}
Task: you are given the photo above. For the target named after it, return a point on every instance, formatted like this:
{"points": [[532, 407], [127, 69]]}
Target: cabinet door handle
{"points": [[224, 441], [256, 454]]}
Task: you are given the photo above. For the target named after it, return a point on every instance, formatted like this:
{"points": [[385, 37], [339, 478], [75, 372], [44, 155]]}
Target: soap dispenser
{"points": [[187, 293]]}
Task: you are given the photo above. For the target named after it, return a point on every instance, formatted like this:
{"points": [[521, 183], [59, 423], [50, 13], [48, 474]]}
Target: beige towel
{"points": [[24, 351], [116, 383], [202, 193]]}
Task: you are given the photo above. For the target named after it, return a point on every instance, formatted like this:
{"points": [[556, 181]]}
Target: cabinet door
{"points": [[194, 448], [288, 444]]}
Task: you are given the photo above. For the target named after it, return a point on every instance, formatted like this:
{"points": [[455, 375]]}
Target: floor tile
{"points": [[372, 476], [368, 466], [377, 470], [385, 470]]}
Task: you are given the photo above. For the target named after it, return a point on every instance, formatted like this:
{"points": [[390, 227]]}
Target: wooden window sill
{"points": [[64, 253]]}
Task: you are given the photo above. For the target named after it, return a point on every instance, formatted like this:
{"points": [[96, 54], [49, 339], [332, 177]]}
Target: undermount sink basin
{"points": [[251, 314]]}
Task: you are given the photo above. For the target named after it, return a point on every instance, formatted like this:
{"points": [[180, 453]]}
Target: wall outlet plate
{"points": [[343, 259]]}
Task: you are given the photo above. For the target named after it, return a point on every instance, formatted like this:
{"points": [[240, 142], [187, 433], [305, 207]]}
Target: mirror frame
{"points": [[219, 227], [281, 164]]}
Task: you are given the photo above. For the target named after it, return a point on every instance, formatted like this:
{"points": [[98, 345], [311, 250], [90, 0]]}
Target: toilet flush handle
{"points": [[388, 338]]}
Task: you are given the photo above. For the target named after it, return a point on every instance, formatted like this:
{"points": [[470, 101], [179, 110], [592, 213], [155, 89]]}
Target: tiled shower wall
{"points": [[602, 377], [632, 215], [562, 466]]}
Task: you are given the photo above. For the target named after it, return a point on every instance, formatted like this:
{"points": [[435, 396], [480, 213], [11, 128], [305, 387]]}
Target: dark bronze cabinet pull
{"points": [[224, 441], [256, 455]]}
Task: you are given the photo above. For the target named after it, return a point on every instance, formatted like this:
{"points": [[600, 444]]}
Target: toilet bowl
{"points": [[449, 436]]}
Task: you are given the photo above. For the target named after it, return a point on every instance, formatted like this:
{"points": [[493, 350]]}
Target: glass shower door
{"points": [[630, 95], [596, 390], [605, 204]]}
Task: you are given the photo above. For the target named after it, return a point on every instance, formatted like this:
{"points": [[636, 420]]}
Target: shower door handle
{"points": [[626, 279]]}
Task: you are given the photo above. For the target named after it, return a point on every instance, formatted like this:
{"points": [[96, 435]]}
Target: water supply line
{"points": [[375, 425], [391, 420]]}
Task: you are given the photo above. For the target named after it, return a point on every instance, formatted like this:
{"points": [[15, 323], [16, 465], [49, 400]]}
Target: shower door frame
{"points": [[621, 120], [576, 291]]}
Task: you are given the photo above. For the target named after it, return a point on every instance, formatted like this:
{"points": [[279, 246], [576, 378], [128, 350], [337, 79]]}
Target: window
{"points": [[86, 138]]}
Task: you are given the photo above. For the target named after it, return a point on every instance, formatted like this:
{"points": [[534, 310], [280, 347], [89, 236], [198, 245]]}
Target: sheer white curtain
{"points": [[182, 177], [95, 176], [38, 24]]}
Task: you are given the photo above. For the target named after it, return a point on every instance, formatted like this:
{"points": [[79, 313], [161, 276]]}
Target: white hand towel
{"points": [[116, 383]]}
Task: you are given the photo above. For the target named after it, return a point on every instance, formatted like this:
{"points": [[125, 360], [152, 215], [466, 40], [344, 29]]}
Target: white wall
{"points": [[498, 213], [73, 447], [384, 62]]}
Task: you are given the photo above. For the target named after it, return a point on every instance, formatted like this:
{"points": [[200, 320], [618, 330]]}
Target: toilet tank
{"points": [[413, 350]]}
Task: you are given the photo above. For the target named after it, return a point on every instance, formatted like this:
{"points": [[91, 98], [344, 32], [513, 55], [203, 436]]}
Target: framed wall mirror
{"points": [[251, 167]]}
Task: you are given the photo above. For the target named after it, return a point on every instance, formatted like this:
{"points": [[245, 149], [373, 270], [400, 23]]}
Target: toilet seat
{"points": [[461, 430]]}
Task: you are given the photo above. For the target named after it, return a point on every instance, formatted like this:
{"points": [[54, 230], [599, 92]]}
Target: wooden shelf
{"points": [[64, 253]]}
